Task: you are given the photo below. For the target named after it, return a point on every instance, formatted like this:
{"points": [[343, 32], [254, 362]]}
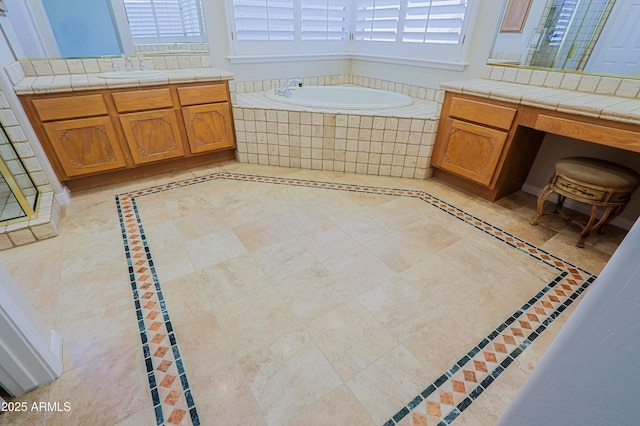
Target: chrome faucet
{"points": [[128, 63], [142, 65], [286, 89]]}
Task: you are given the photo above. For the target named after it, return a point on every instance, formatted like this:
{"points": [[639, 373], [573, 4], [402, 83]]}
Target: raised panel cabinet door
{"points": [[471, 151], [85, 145], [152, 135], [209, 127]]}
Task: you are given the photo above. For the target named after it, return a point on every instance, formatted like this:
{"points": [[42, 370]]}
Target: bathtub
{"points": [[342, 97], [349, 135]]}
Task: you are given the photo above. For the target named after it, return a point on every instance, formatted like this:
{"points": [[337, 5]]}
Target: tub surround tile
{"points": [[336, 140]]}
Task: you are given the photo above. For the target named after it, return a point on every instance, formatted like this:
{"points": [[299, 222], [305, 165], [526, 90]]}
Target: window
{"points": [[290, 26], [418, 29], [426, 29], [165, 21]]}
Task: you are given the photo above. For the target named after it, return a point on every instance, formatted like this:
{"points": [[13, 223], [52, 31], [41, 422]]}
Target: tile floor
{"points": [[289, 303]]}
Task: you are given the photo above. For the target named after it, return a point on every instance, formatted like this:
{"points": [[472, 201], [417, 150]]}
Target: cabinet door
{"points": [[152, 135], [209, 127], [85, 145], [470, 151]]}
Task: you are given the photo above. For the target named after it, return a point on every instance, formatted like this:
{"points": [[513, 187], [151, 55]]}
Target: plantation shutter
{"points": [[264, 19], [324, 20], [377, 20], [435, 21], [165, 20]]}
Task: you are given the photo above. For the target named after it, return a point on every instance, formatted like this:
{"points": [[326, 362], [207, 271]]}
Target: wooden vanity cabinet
{"points": [[487, 146], [82, 138], [152, 131], [207, 117], [471, 138], [100, 137], [473, 147]]}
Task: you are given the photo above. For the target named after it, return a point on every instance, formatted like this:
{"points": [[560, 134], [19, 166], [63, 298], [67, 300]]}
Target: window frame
{"points": [[135, 40], [443, 56]]}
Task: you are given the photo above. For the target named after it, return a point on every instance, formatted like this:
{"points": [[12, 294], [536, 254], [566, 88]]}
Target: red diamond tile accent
{"points": [[446, 398], [150, 304], [490, 357], [419, 420], [155, 326], [470, 376], [480, 366], [433, 409], [176, 416], [500, 348], [458, 386], [160, 351], [168, 381], [164, 366], [517, 332], [533, 317], [158, 338]]}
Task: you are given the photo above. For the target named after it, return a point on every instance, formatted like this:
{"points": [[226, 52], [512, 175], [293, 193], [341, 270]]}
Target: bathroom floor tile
{"points": [[318, 298]]}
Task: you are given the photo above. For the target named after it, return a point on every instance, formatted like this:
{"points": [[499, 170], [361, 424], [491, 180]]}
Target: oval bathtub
{"points": [[342, 97]]}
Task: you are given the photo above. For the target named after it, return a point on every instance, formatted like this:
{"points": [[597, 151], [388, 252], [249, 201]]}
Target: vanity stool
{"points": [[597, 183]]}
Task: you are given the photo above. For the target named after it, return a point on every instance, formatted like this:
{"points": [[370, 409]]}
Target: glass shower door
{"points": [[18, 193]]}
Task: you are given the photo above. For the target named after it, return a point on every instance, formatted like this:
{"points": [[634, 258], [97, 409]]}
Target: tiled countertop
{"points": [[607, 107], [77, 82]]}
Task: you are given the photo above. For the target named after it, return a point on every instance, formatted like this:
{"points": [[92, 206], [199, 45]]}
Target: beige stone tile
{"points": [[288, 376], [351, 338], [400, 250], [260, 234], [162, 234], [388, 384], [441, 344], [185, 296], [283, 259], [96, 335], [358, 269], [256, 320], [118, 377], [171, 262], [101, 257], [214, 248], [146, 416], [399, 306], [327, 241], [312, 292], [203, 345], [223, 397], [231, 280], [338, 407]]}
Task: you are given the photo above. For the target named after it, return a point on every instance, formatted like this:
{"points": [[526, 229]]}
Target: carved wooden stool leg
{"points": [[542, 197], [587, 228]]}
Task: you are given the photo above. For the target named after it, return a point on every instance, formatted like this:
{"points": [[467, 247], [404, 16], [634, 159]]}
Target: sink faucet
{"points": [[128, 64], [286, 89], [142, 65]]}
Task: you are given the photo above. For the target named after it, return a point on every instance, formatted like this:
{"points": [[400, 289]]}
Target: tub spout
{"points": [[286, 89]]}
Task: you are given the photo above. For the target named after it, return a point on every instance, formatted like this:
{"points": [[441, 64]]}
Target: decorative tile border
{"points": [[439, 404]]}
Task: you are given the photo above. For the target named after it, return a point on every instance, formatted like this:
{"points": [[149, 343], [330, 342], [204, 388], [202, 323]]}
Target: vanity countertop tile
{"points": [[615, 108], [77, 82]]}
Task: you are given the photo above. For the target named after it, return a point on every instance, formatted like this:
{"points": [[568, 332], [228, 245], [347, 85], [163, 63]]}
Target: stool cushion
{"points": [[598, 172]]}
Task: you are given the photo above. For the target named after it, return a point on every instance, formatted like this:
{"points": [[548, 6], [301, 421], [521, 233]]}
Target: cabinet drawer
{"points": [[609, 136], [195, 95], [483, 113], [142, 100], [66, 107]]}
